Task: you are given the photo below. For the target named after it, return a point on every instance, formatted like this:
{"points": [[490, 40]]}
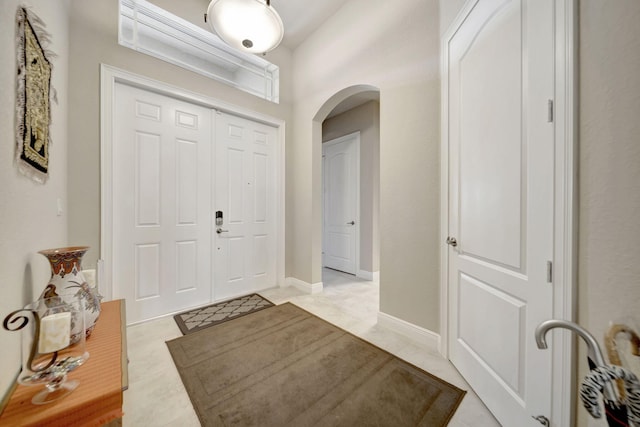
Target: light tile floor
{"points": [[156, 396]]}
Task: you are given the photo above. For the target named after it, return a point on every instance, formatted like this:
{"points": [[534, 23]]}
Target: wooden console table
{"points": [[103, 377]]}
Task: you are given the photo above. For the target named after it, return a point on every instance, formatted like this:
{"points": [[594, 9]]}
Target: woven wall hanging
{"points": [[34, 94]]}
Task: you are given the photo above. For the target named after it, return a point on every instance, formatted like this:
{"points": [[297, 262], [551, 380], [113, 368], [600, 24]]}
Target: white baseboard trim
{"points": [[422, 337], [372, 276], [314, 288]]}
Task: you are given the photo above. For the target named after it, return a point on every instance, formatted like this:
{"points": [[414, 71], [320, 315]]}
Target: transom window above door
{"points": [[149, 29]]}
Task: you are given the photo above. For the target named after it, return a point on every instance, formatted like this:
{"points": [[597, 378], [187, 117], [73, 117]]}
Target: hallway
{"points": [[156, 396]]}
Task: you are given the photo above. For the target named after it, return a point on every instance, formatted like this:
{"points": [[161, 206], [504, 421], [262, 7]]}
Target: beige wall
{"points": [[28, 215], [609, 166], [394, 47], [94, 40], [609, 235], [366, 120]]}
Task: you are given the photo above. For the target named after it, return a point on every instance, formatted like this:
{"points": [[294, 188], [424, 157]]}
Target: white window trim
{"points": [[149, 29]]}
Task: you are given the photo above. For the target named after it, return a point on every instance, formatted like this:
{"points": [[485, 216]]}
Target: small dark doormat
{"points": [[283, 366], [203, 317]]}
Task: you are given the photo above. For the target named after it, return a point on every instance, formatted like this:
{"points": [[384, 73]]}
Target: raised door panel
{"points": [[259, 188], [187, 182], [235, 191], [186, 265], [491, 144], [482, 308], [147, 268], [147, 179]]}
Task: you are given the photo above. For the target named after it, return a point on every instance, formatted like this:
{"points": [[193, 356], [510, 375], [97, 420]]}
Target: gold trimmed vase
{"points": [[67, 279]]}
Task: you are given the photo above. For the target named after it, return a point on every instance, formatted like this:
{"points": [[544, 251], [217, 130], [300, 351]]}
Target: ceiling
{"points": [[300, 19], [303, 17]]}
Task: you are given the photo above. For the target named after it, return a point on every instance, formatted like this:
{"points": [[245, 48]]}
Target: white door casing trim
{"points": [[563, 394], [356, 137], [109, 76]]}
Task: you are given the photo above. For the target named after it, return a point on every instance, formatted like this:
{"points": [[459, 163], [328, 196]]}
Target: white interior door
{"points": [[340, 203], [501, 79], [161, 203], [245, 183]]}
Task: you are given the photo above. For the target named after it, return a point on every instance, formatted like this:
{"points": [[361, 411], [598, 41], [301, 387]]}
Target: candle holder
{"points": [[53, 344]]}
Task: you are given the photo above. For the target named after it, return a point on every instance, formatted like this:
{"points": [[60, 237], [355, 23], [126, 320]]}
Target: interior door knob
{"points": [[452, 241], [351, 223]]}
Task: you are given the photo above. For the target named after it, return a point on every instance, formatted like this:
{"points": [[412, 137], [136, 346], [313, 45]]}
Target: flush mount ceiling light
{"points": [[248, 25]]}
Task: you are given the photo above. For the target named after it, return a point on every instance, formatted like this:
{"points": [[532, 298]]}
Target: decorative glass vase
{"points": [[53, 344], [67, 279]]}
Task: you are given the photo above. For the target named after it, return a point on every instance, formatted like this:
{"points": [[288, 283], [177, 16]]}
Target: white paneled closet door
{"points": [[341, 200], [162, 199], [501, 189], [246, 197]]}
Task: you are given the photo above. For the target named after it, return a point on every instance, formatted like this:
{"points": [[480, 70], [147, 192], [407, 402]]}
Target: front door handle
{"points": [[220, 230]]}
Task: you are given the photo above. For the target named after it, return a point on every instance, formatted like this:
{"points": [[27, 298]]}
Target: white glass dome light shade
{"points": [[248, 25]]}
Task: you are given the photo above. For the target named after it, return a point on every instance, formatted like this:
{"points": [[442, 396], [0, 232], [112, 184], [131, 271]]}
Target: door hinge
{"points": [[550, 111], [549, 272]]}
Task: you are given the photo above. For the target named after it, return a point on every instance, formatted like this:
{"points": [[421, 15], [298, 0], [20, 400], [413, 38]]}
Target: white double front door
{"points": [[175, 164]]}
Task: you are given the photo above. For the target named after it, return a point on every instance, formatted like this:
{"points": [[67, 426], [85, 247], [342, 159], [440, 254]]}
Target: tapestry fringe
{"points": [[40, 29], [23, 14]]}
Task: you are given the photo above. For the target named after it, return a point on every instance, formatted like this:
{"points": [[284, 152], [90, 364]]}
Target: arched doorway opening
{"points": [[347, 129]]}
